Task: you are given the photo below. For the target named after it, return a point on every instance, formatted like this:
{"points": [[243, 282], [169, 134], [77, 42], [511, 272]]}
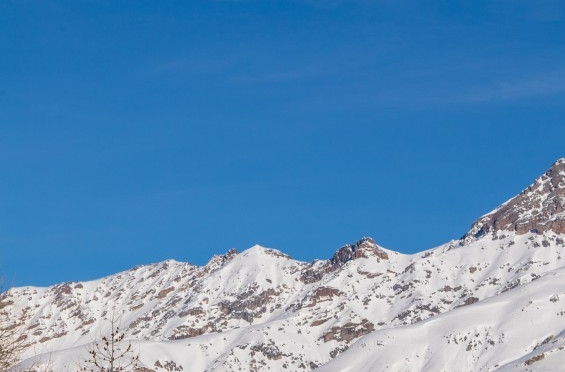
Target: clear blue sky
{"points": [[136, 131]]}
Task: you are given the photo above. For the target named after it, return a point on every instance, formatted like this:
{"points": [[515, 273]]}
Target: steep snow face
{"points": [[490, 302], [539, 208]]}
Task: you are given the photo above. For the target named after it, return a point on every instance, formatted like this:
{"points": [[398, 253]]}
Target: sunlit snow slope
{"points": [[492, 301]]}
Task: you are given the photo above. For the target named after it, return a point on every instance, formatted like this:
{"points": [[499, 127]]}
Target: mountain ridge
{"points": [[261, 309], [539, 207]]}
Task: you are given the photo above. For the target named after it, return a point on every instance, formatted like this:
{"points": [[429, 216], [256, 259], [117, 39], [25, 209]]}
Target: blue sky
{"points": [[136, 131]]}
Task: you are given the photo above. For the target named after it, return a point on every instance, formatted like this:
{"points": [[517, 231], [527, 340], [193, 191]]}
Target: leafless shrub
{"points": [[112, 353]]}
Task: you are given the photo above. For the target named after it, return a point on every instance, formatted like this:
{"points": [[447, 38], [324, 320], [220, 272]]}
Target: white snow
{"points": [[494, 303]]}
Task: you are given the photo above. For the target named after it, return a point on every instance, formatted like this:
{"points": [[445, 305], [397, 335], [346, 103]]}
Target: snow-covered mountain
{"points": [[492, 301]]}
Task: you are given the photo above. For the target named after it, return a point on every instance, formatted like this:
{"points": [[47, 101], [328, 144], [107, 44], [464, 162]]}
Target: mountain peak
{"points": [[362, 248], [538, 208]]}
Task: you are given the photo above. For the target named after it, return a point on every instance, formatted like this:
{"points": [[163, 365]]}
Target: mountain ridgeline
{"points": [[492, 301]]}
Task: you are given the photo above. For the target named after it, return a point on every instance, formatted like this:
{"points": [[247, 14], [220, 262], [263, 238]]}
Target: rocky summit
{"points": [[492, 301], [539, 208]]}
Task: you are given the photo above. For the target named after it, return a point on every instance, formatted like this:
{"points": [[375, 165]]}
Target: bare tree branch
{"points": [[112, 353]]}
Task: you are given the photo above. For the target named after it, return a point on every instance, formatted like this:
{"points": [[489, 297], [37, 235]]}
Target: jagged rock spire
{"points": [[539, 208]]}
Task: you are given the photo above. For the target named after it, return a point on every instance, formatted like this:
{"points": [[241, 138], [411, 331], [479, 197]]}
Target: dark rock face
{"points": [[366, 247], [362, 248], [270, 351], [349, 331], [539, 208]]}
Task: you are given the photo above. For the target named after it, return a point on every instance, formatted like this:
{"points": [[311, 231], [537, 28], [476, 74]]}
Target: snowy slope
{"points": [[492, 301], [506, 331]]}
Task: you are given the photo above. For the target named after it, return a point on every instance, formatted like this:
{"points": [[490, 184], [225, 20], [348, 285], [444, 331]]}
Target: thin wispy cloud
{"points": [[237, 70], [542, 10], [280, 76], [251, 65], [546, 85], [450, 89], [195, 65]]}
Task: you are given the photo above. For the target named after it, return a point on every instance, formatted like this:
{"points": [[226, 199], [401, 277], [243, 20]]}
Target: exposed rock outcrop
{"points": [[365, 247], [362, 248], [538, 208]]}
